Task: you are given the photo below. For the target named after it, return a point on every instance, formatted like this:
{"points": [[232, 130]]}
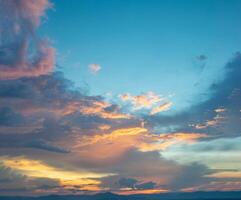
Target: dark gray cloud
{"points": [[146, 185], [40, 144], [10, 118], [47, 108], [123, 182], [127, 182], [223, 94], [190, 176], [17, 141], [149, 170]]}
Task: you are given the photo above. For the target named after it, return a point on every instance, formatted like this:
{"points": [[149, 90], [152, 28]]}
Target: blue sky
{"points": [[145, 46]]}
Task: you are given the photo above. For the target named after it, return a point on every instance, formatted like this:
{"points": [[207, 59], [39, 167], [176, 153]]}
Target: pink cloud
{"points": [[94, 68], [23, 54]]}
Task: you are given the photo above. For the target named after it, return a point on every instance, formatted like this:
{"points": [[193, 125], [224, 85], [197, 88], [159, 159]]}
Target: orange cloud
{"points": [[104, 127], [163, 141], [98, 108], [226, 174], [148, 100], [117, 134], [137, 137], [39, 169], [141, 101], [164, 107], [218, 119], [147, 191]]}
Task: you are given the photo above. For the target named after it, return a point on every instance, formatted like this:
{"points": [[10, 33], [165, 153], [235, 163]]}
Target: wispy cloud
{"points": [[161, 108], [94, 68]]}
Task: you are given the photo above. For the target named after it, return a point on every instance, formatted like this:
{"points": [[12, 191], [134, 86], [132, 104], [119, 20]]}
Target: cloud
{"points": [[161, 108], [208, 152], [164, 141], [40, 112], [146, 185], [226, 174], [143, 167], [14, 183], [17, 141], [38, 170], [148, 100], [19, 21], [94, 68], [191, 175], [141, 101], [127, 182], [104, 127], [101, 109], [122, 140], [224, 95], [142, 171], [217, 186], [217, 120], [40, 144], [8, 117]]}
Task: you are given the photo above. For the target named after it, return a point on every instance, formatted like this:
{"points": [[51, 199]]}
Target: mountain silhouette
{"points": [[162, 196]]}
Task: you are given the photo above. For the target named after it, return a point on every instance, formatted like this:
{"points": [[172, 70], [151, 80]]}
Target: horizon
{"points": [[121, 96], [168, 195]]}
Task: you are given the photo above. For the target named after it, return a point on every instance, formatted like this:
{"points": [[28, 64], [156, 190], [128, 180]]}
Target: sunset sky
{"points": [[122, 96]]}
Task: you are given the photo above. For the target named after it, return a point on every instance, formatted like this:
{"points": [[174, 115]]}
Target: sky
{"points": [[124, 96]]}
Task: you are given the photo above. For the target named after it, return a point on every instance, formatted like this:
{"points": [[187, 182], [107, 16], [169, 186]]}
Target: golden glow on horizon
{"points": [[38, 169], [147, 191]]}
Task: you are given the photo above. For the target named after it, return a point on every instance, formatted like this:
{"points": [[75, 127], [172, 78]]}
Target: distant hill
{"points": [[162, 196]]}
